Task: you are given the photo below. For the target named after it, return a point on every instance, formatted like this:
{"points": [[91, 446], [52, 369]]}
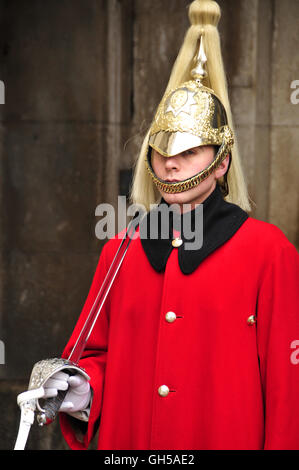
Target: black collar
{"points": [[220, 221]]}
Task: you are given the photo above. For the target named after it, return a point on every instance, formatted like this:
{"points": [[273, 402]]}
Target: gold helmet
{"points": [[194, 111], [191, 115]]}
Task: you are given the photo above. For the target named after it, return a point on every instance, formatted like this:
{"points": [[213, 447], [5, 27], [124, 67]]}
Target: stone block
{"points": [[243, 104], [246, 144], [284, 196], [285, 67], [47, 291], [55, 60], [237, 29], [57, 178], [159, 32], [260, 182]]}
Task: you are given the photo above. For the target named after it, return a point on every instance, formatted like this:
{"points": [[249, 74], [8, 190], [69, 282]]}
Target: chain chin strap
{"points": [[185, 185]]}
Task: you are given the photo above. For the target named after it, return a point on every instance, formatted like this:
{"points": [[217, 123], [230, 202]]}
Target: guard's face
{"points": [[183, 166]]}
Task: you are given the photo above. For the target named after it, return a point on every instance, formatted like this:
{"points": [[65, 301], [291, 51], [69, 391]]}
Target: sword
{"points": [[29, 401]]}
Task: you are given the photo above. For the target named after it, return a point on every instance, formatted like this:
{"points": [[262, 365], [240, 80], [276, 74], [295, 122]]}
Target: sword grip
{"points": [[52, 405]]}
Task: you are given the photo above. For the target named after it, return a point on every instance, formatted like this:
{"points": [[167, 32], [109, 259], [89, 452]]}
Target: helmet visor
{"points": [[169, 144]]}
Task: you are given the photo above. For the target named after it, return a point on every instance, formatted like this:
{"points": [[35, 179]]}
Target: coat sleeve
{"points": [[277, 336], [76, 433]]}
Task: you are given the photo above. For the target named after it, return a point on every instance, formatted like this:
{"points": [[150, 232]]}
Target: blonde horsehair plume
{"points": [[204, 17]]}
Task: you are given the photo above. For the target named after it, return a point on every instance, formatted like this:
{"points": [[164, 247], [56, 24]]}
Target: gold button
{"points": [[251, 320], [170, 317], [163, 391], [177, 242]]}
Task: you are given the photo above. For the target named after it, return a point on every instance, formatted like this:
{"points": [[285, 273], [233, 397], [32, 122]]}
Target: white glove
{"points": [[78, 395]]}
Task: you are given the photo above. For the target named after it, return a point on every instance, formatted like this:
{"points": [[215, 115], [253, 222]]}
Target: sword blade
{"points": [[95, 311]]}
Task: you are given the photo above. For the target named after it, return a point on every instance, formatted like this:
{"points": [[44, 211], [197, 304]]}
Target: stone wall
{"points": [[82, 80]]}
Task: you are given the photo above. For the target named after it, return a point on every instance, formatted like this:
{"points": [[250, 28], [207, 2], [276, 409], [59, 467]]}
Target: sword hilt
{"points": [[52, 405]]}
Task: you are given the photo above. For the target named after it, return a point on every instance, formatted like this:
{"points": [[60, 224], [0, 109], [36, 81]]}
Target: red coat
{"points": [[231, 385]]}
